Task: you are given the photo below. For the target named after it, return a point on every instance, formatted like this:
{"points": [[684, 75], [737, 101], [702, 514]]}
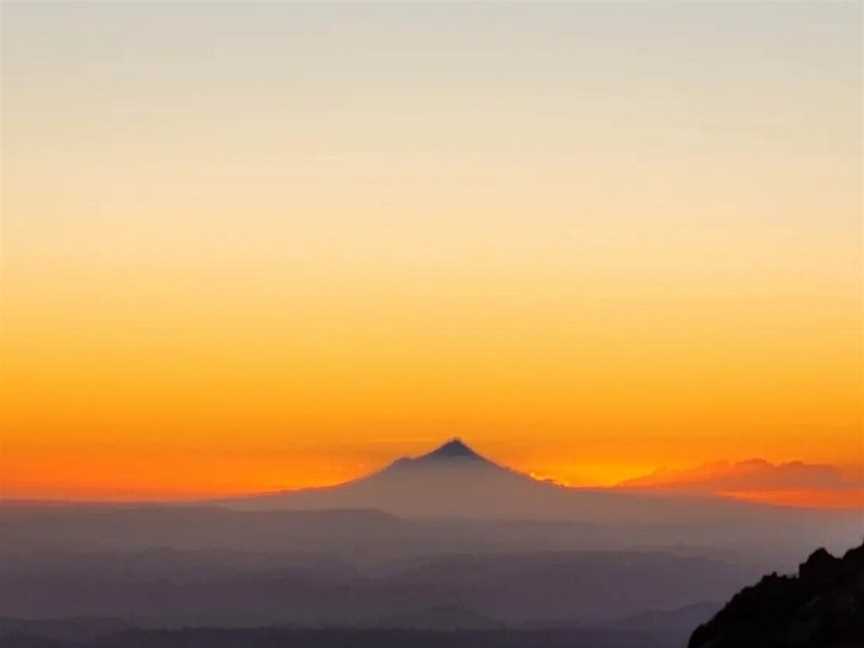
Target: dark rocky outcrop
{"points": [[822, 606]]}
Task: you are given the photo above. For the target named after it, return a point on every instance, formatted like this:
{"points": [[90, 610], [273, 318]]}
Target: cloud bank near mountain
{"points": [[790, 483]]}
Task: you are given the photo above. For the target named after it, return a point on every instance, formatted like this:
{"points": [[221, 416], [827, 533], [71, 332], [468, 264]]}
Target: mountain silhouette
{"points": [[822, 606], [455, 481]]}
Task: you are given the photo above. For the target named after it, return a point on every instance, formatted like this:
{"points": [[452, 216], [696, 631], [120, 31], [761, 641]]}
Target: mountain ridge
{"points": [[823, 605]]}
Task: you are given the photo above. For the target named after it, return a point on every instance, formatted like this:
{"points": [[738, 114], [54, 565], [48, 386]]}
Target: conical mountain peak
{"points": [[453, 449], [453, 453]]}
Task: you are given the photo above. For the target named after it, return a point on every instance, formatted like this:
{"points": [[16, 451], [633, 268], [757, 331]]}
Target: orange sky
{"points": [[247, 251]]}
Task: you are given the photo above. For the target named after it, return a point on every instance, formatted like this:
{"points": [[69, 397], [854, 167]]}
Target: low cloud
{"points": [[794, 482]]}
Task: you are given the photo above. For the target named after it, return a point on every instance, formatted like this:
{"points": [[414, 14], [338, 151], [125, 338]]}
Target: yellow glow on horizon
{"points": [[246, 251]]}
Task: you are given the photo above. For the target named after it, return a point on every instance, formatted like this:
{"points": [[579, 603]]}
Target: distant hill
{"points": [[353, 638], [822, 606], [74, 629]]}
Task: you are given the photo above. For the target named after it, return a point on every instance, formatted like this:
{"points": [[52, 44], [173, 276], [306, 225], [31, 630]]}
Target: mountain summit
{"points": [[454, 454], [453, 449]]}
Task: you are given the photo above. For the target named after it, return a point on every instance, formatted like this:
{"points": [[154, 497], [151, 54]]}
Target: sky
{"points": [[259, 246]]}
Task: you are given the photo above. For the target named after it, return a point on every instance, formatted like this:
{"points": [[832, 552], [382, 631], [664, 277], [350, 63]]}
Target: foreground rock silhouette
{"points": [[822, 606]]}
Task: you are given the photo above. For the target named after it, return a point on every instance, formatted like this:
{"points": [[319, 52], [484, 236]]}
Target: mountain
{"points": [[822, 606], [454, 481]]}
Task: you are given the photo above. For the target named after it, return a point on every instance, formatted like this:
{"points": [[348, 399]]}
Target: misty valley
{"points": [[448, 548]]}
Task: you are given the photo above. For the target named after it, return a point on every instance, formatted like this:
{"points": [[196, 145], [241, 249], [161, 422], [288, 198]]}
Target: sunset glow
{"points": [[258, 250]]}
